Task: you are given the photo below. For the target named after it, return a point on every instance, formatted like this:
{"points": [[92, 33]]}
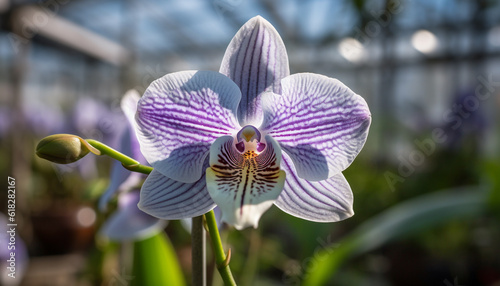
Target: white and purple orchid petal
{"points": [[329, 200], [319, 122], [168, 199], [130, 223], [179, 117], [256, 60], [245, 185]]}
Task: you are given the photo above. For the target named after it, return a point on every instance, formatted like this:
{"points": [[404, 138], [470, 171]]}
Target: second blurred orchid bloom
{"points": [[128, 222], [217, 138], [121, 178]]}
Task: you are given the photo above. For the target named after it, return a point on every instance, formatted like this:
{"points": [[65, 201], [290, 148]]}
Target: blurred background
{"points": [[426, 185]]}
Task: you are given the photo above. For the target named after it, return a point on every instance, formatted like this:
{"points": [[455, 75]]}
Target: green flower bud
{"points": [[63, 148]]}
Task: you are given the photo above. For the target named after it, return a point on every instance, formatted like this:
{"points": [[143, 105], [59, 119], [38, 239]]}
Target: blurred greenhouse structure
{"points": [[426, 185]]}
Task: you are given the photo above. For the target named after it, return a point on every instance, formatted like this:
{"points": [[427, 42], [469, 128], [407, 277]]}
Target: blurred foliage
{"points": [[491, 170], [401, 220], [155, 263]]}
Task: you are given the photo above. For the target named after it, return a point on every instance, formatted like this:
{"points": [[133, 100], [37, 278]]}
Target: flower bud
{"points": [[62, 148]]}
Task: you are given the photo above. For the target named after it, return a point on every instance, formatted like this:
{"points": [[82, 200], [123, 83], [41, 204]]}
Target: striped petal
{"points": [[167, 199], [319, 122], [179, 117], [324, 201], [244, 186], [130, 223], [256, 60]]}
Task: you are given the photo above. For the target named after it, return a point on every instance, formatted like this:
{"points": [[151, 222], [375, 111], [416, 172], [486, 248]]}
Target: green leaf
{"points": [[401, 220], [490, 170], [155, 263]]}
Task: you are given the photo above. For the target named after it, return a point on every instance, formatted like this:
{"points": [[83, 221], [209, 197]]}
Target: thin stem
{"points": [[126, 161], [220, 257], [252, 258], [198, 252]]}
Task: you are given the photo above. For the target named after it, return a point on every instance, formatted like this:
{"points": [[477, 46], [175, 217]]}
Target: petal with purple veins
{"points": [[168, 199], [319, 122], [256, 60], [180, 116], [329, 200], [244, 186]]}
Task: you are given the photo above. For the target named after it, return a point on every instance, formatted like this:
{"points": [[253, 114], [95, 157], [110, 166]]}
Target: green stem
{"points": [[126, 161], [198, 252], [220, 257], [252, 260]]}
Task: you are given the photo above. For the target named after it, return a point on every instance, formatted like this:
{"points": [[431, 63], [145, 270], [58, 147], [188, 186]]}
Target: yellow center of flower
{"points": [[249, 154]]}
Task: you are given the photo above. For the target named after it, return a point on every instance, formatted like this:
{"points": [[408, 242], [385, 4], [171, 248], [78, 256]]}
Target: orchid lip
{"points": [[244, 185]]}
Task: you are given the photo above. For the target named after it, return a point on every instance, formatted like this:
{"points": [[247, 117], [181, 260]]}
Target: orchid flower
{"points": [[249, 137]]}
